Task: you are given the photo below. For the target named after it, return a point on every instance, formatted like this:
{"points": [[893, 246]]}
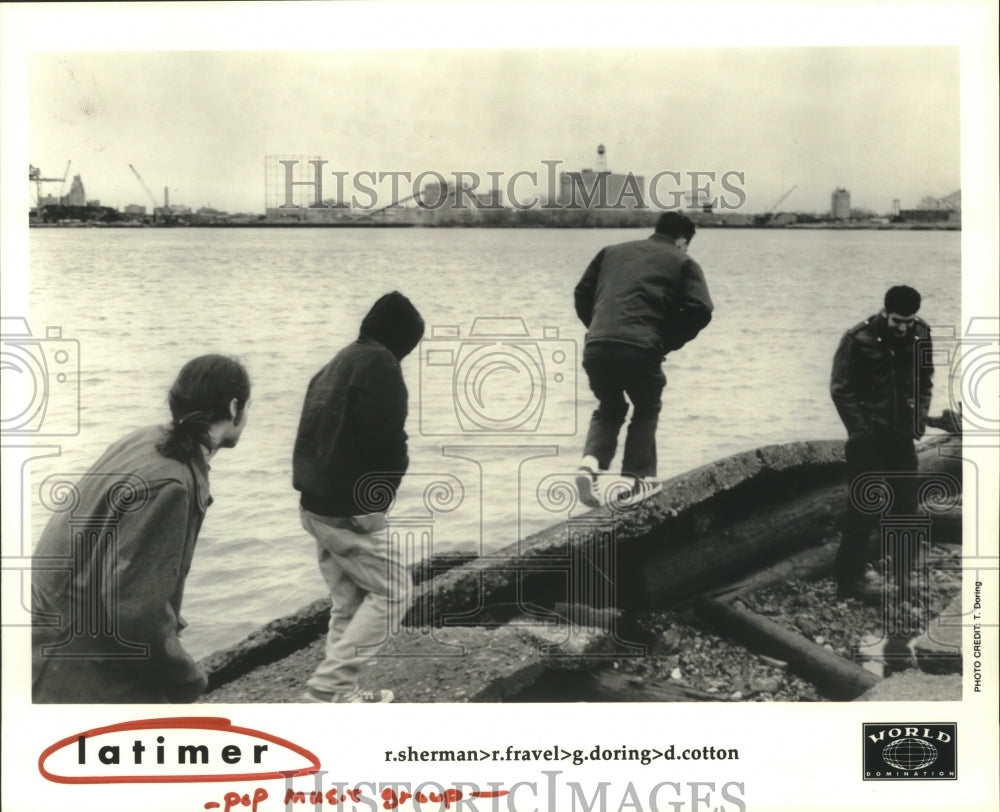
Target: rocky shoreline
{"points": [[756, 530]]}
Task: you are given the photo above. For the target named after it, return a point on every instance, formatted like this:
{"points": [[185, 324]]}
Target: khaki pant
{"points": [[370, 590]]}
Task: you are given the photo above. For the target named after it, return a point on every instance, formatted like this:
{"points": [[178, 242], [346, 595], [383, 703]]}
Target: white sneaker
{"points": [[357, 695], [641, 489], [586, 487]]}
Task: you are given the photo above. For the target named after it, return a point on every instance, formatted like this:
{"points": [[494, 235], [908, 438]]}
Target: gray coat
{"points": [[645, 293], [108, 578]]}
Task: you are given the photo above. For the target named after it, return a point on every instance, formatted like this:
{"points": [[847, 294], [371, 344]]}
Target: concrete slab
{"points": [[939, 649], [913, 685], [476, 664]]}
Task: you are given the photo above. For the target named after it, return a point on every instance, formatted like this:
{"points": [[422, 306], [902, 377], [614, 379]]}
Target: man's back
{"points": [[353, 418], [122, 548], [645, 293], [351, 425]]}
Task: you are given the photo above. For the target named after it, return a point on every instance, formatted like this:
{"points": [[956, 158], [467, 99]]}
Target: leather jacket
{"points": [[644, 293], [880, 382]]}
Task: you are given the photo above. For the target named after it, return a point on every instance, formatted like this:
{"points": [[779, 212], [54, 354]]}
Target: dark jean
{"points": [[616, 371], [883, 452]]}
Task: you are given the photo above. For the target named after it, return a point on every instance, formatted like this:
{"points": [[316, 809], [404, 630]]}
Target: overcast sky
{"points": [[881, 121]]}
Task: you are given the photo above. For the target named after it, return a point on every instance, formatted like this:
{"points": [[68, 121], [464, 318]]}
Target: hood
{"points": [[395, 323]]}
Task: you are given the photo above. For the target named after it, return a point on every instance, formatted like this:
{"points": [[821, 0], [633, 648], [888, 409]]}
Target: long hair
{"points": [[200, 396]]}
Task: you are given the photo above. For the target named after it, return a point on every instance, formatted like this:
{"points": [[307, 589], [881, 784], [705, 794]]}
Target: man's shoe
{"points": [[356, 695], [641, 489], [869, 589], [373, 697], [586, 486]]}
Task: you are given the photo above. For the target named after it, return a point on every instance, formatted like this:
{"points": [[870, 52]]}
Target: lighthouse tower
{"points": [[602, 159]]}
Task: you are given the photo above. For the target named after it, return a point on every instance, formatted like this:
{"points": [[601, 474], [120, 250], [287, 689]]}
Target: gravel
{"points": [[684, 649]]}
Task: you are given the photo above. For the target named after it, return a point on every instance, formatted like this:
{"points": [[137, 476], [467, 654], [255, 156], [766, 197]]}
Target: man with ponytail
{"points": [[109, 571], [350, 455]]}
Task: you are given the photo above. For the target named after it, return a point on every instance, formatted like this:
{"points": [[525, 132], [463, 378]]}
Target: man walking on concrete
{"points": [[639, 300], [351, 439], [109, 572], [881, 385]]}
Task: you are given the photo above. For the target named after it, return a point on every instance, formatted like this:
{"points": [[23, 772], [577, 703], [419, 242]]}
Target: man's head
{"points": [[395, 323], [900, 309], [208, 403], [677, 227]]}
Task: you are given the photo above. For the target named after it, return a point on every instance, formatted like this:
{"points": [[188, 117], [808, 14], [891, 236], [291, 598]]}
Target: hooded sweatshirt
{"points": [[351, 439]]}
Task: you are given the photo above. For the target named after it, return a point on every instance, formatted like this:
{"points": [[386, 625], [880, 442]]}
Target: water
{"points": [[142, 302]]}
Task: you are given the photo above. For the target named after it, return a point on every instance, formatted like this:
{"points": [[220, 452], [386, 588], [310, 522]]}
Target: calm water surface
{"points": [[143, 302]]}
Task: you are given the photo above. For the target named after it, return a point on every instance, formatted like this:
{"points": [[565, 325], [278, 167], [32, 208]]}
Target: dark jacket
{"points": [[881, 383], [646, 293], [121, 547], [354, 413]]}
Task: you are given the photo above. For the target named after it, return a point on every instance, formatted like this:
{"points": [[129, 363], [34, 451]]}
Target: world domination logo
{"points": [[910, 751]]}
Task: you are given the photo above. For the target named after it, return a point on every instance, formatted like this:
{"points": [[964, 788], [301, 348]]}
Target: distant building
{"points": [[436, 196], [588, 189], [930, 216], [601, 189], [76, 196], [840, 204], [133, 210]]}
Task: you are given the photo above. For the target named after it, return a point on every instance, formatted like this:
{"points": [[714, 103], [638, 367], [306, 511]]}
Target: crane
{"points": [[781, 199], [144, 186], [62, 189], [35, 175], [417, 196]]}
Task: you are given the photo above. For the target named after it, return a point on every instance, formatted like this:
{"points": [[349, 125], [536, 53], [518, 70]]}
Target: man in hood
{"points": [[350, 456]]}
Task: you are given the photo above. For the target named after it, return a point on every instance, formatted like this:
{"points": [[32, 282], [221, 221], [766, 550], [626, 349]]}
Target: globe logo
{"points": [[909, 754]]}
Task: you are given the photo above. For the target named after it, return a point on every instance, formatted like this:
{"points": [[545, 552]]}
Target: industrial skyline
{"points": [[200, 123], [603, 186]]}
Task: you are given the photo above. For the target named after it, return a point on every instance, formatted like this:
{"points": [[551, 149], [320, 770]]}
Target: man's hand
{"points": [[949, 421]]}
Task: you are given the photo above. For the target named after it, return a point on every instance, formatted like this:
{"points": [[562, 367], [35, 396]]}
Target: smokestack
{"points": [[166, 198], [602, 159]]}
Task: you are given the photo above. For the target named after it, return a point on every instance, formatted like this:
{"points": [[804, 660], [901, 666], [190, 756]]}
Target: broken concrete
{"points": [[912, 685], [506, 612], [939, 649]]}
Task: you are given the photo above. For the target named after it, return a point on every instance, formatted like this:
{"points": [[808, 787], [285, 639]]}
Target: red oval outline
{"points": [[177, 722]]}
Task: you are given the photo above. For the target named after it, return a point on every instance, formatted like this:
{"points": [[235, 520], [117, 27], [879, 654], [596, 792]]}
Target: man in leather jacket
{"points": [[881, 385]]}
